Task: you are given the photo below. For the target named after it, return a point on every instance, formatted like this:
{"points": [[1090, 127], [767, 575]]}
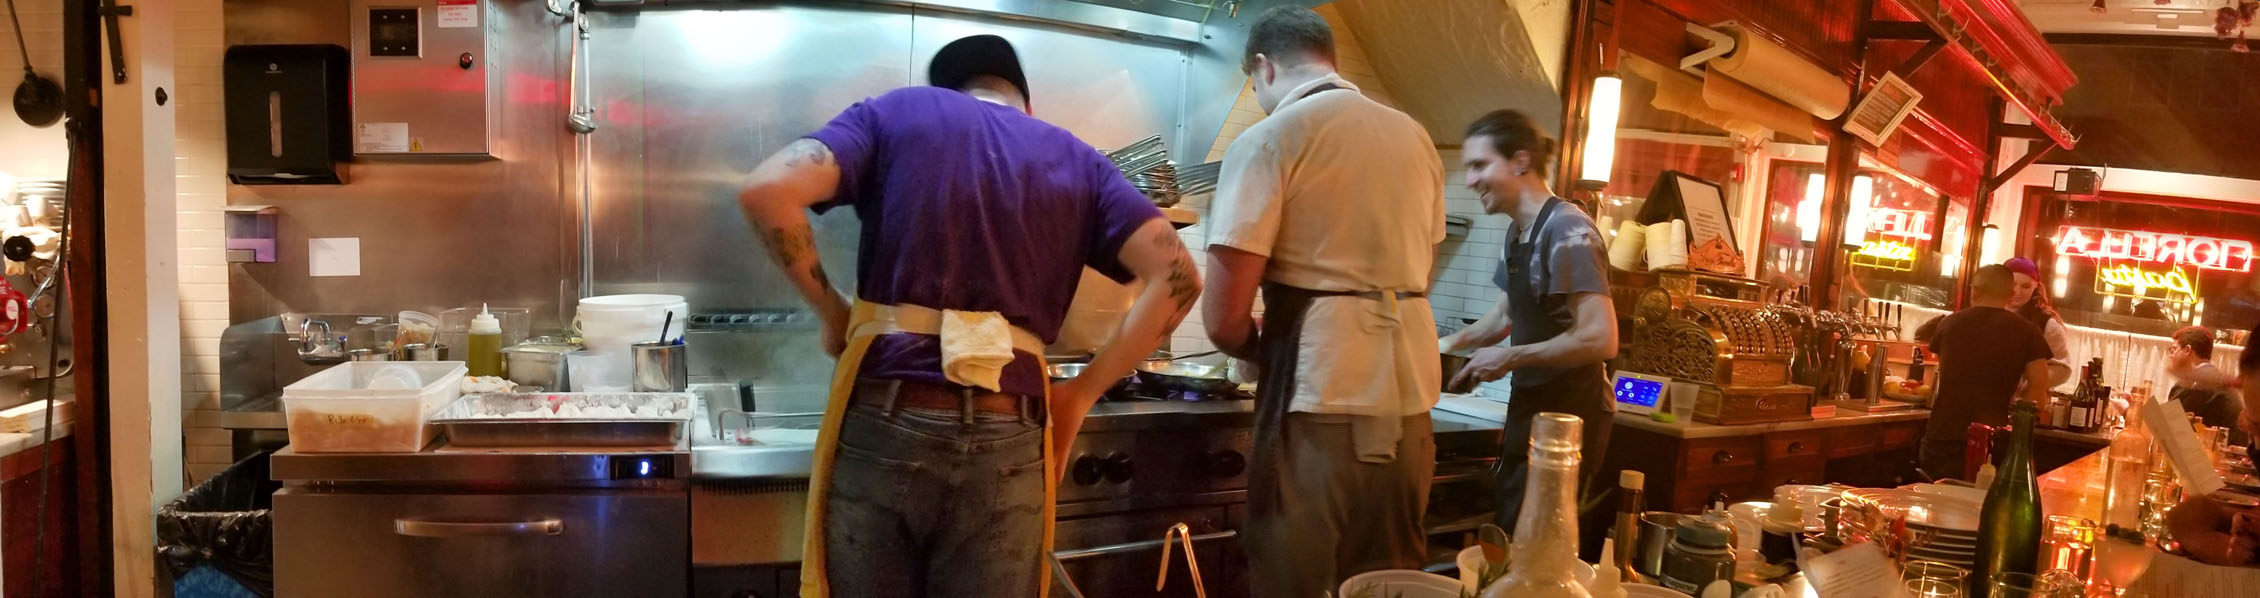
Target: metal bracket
{"points": [[1921, 58], [2032, 155], [1721, 45], [110, 12]]}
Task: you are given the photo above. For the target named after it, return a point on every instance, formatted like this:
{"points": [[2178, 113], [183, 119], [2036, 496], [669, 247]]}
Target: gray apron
{"points": [[1582, 391]]}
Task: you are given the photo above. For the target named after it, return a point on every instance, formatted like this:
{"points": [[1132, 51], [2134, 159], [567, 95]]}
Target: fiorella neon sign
{"points": [[2204, 253]]}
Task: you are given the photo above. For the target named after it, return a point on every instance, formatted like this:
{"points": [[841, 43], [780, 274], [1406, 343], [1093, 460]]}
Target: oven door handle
{"points": [[449, 529], [1084, 553]]}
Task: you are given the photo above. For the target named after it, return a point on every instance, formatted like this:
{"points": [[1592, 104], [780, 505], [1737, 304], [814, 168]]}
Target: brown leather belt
{"points": [[927, 396]]}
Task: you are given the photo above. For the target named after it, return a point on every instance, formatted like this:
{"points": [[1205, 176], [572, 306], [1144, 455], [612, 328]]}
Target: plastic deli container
{"points": [[370, 406]]}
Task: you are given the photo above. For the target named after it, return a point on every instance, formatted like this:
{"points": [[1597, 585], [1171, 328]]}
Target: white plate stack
{"points": [[42, 202]]}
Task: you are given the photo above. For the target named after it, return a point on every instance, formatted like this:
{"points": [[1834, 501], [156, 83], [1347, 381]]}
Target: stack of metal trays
{"points": [[1196, 180], [1146, 163], [570, 420]]}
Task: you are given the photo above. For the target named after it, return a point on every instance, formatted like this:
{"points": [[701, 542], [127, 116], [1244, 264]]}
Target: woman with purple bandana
{"points": [[2028, 301]]}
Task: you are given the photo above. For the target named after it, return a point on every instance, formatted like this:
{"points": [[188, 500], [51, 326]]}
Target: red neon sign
{"points": [[1905, 224], [2164, 248]]}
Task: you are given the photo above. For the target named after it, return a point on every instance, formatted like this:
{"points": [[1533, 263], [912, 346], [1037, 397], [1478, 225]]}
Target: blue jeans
{"points": [[926, 503]]}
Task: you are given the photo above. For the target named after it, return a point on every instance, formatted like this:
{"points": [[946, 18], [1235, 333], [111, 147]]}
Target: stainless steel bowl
{"points": [[1062, 372]]}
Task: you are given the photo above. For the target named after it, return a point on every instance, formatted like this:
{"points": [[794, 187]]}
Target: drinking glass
{"points": [[2070, 546], [1932, 571], [1932, 588], [2027, 585]]}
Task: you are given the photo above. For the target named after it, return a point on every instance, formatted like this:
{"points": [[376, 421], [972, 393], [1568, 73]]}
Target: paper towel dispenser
{"points": [[421, 78], [287, 121]]}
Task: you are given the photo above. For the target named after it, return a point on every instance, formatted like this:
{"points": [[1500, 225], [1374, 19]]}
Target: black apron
{"points": [[1280, 347], [1582, 391]]}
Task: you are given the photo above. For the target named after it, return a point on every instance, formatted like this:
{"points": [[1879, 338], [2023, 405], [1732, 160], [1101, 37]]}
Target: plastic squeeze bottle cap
{"points": [[484, 323]]}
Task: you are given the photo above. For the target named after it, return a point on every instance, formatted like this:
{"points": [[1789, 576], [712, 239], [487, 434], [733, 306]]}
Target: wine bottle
{"points": [[1545, 544], [2010, 522]]}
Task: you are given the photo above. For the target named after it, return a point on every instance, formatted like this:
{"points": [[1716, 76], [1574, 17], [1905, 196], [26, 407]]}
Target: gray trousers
{"points": [[931, 503], [1317, 515]]}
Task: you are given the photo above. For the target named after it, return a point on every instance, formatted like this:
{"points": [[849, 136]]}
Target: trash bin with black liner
{"points": [[217, 540]]}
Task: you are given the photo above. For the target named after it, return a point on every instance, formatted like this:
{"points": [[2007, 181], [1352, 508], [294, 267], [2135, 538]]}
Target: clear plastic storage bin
{"points": [[370, 406]]}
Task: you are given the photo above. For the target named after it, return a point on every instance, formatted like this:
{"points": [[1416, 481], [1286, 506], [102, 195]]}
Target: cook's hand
{"points": [[1489, 364]]}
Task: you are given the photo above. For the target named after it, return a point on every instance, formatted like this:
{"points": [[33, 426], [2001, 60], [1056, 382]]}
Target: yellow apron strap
{"points": [[863, 327]]}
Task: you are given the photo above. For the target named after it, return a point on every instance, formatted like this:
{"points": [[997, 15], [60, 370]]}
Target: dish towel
{"points": [[976, 345]]}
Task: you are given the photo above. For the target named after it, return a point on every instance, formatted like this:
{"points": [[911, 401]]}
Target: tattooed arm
{"points": [[776, 199], [1158, 259]]}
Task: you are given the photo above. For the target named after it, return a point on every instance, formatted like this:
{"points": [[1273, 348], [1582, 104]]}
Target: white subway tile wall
{"points": [[200, 136]]}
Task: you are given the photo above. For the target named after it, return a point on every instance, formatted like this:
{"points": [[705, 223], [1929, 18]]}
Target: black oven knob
{"points": [[1086, 470], [1226, 463], [1118, 468]]}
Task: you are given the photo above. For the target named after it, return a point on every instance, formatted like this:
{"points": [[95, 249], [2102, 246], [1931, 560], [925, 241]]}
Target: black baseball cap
{"points": [[973, 56]]}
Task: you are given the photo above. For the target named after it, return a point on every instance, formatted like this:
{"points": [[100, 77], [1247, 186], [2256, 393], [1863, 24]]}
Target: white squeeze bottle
{"points": [[484, 352]]}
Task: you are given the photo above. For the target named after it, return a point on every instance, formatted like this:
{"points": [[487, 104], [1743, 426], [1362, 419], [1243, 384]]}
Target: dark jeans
{"points": [[927, 503]]}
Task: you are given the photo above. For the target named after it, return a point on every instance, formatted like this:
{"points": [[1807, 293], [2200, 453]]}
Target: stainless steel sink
{"points": [[717, 457]]}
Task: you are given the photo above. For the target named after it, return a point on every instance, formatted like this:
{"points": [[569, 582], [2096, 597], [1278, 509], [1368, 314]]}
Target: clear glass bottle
{"points": [[1545, 541]]}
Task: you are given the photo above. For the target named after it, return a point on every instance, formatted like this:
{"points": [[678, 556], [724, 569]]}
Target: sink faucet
{"points": [[319, 348]]}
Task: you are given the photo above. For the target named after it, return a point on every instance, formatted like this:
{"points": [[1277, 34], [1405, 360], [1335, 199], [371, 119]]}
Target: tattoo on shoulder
{"points": [[806, 151]]}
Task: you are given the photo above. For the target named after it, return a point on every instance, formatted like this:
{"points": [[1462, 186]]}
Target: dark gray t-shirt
{"points": [[1567, 258]]}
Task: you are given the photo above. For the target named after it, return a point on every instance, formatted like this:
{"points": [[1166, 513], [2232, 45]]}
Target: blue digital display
{"points": [[1635, 391]]}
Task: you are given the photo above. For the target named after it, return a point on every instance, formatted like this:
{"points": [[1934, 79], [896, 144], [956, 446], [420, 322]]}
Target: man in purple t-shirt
{"points": [[977, 221]]}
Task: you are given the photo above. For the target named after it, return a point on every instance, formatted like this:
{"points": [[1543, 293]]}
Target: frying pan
{"points": [[39, 101]]}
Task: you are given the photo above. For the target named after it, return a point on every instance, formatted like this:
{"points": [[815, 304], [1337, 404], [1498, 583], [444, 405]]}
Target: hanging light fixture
{"points": [[1601, 131], [1989, 248]]}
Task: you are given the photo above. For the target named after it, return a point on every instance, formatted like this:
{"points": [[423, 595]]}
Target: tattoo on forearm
{"points": [[806, 151], [793, 244]]}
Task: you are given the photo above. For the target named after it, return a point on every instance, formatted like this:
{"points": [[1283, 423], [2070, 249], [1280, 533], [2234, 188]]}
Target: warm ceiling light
{"points": [[1601, 131]]}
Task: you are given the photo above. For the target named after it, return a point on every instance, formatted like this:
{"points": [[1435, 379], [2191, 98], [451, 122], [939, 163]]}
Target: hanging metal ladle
{"points": [[39, 101]]}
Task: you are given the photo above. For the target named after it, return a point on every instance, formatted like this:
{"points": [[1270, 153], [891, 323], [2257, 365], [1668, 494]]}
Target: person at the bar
{"points": [[1984, 352], [2203, 389], [1333, 206], [2027, 300], [1555, 310], [934, 470]]}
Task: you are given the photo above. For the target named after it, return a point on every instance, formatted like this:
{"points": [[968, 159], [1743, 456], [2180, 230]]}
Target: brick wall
{"points": [[202, 170]]}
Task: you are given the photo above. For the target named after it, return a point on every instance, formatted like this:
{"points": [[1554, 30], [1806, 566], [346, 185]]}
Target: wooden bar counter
{"points": [[1690, 464]]}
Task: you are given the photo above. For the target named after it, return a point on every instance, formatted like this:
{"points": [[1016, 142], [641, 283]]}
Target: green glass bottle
{"points": [[2010, 524]]}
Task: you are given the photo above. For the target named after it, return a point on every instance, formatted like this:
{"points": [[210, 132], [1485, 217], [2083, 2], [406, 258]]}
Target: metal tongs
{"points": [[1183, 534]]}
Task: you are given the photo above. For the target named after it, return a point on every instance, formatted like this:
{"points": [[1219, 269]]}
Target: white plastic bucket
{"points": [[609, 324], [1401, 583]]}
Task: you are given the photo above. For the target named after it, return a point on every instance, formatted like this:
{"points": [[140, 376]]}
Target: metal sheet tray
{"points": [[514, 420]]}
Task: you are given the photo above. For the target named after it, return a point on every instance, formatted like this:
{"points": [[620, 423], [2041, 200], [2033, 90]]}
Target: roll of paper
{"points": [[1660, 240], [1625, 250], [1782, 73]]}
